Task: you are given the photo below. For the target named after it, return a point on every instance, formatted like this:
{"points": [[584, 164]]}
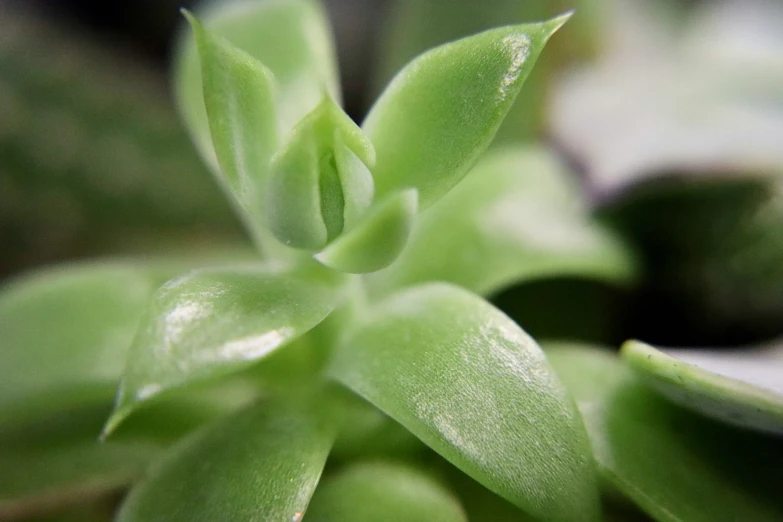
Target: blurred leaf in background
{"points": [[679, 136], [92, 156]]}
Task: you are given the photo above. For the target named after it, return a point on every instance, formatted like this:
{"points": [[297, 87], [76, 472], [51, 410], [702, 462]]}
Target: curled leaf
{"points": [[318, 177], [673, 464], [740, 387], [442, 111], [239, 99], [472, 385]]}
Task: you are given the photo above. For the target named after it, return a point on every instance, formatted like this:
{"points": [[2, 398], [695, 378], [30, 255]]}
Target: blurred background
{"points": [[670, 114]]}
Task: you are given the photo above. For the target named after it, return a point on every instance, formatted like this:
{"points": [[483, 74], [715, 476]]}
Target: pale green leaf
{"points": [[517, 216], [291, 38], [442, 111], [472, 385], [383, 492], [239, 99], [743, 387], [324, 155], [378, 240], [65, 332], [261, 463], [675, 465], [215, 322]]}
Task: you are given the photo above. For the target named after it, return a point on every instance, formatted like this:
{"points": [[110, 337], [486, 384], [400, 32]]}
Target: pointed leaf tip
{"points": [[442, 111], [211, 323]]}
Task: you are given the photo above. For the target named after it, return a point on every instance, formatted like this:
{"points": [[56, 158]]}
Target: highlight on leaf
{"points": [[214, 322], [454, 97]]}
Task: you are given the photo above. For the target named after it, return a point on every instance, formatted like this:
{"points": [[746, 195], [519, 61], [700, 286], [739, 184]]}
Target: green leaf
{"points": [[292, 39], [65, 332], [740, 387], [239, 99], [214, 322], [517, 216], [383, 492], [378, 240], [324, 156], [472, 385], [262, 463], [367, 432], [442, 111], [673, 464], [57, 461]]}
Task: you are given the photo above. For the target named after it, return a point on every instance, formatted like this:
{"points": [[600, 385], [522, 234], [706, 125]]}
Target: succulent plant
{"points": [[353, 368]]}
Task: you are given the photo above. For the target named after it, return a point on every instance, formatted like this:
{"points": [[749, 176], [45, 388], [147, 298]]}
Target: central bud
{"points": [[320, 183]]}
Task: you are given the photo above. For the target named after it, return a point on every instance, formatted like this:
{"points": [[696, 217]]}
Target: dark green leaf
{"points": [[383, 492], [674, 465], [214, 322], [741, 387], [55, 461], [473, 386], [442, 111], [261, 463], [516, 216], [378, 240]]}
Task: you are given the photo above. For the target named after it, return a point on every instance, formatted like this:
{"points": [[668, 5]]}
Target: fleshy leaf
{"points": [[261, 463], [239, 99], [442, 111], [65, 332], [472, 385], [673, 464], [51, 462], [292, 39], [740, 387], [383, 492], [517, 216], [306, 199], [378, 240], [214, 322]]}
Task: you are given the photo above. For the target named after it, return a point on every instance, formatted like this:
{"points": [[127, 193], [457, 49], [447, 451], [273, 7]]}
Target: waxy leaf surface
{"points": [[442, 111], [675, 465], [383, 492], [214, 322], [291, 39], [239, 99], [743, 387], [516, 216], [65, 332], [293, 42], [261, 463], [472, 385]]}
